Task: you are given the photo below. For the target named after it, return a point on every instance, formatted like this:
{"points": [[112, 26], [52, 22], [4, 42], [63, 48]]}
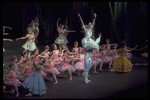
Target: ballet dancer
{"points": [[30, 44], [61, 39], [88, 44]]}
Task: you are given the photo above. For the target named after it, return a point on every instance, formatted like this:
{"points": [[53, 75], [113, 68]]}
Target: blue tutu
{"points": [[35, 84]]}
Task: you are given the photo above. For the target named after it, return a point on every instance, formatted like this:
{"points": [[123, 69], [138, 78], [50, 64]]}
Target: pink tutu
{"points": [[106, 58], [12, 80], [66, 66], [128, 55]]}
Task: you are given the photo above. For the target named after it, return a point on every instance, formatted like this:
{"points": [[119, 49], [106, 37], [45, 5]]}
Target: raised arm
{"points": [[57, 23], [81, 19], [94, 19]]}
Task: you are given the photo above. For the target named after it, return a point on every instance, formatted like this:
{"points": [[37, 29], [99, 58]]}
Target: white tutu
{"points": [[61, 40], [29, 46]]}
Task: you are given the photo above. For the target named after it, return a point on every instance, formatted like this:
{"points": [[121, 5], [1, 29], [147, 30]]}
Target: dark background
{"points": [[131, 19]]}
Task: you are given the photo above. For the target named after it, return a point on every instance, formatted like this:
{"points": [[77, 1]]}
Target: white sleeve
{"points": [[98, 40]]}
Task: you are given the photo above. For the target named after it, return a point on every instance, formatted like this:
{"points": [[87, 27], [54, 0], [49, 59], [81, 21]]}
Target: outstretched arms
{"points": [[22, 38]]}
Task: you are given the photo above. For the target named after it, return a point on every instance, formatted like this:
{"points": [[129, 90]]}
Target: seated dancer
{"points": [[89, 45], [61, 39]]}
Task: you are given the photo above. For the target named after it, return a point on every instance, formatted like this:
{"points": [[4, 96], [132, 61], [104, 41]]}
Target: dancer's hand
{"points": [[59, 18], [100, 34], [17, 39], [95, 15], [79, 14]]}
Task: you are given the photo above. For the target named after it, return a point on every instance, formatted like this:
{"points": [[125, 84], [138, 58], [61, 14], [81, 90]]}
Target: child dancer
{"points": [[88, 44], [27, 69], [29, 45], [35, 82], [19, 75], [105, 57], [61, 39], [108, 45], [96, 60], [75, 49], [49, 67], [65, 66], [56, 53], [46, 53], [116, 55], [79, 65], [11, 79]]}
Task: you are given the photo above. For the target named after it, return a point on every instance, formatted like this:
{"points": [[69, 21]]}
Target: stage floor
{"points": [[104, 85]]}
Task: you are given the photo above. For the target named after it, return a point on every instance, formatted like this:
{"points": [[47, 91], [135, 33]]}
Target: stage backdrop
{"points": [[130, 18]]}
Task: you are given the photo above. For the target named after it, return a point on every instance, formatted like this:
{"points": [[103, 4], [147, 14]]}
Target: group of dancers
{"points": [[33, 69]]}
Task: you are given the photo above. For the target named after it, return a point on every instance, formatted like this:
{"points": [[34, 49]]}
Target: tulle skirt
{"points": [[35, 84], [29, 46], [79, 66], [61, 40], [12, 82]]}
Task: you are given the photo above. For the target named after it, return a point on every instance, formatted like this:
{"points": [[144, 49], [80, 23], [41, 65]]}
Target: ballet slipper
{"points": [[70, 78], [95, 72], [56, 82], [101, 69], [28, 95]]}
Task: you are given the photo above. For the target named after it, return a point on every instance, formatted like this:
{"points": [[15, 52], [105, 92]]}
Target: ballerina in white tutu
{"points": [[30, 44]]}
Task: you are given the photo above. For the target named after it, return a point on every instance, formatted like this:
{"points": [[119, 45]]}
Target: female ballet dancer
{"points": [[106, 57], [56, 54], [79, 65], [30, 44], [11, 79], [75, 49], [27, 69], [108, 45], [35, 82], [49, 67], [61, 39], [122, 64], [88, 44], [116, 55], [46, 53], [96, 59]]}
